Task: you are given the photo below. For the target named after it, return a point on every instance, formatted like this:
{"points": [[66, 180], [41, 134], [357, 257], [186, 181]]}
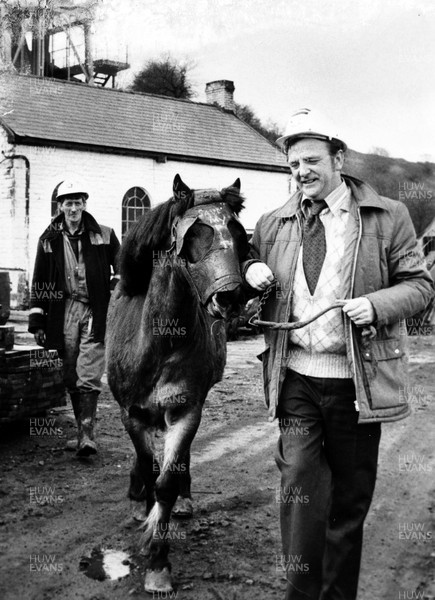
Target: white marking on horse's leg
{"points": [[172, 441], [151, 524], [179, 437]]}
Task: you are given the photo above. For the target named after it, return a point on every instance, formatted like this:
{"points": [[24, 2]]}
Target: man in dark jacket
{"points": [[69, 300], [331, 383]]}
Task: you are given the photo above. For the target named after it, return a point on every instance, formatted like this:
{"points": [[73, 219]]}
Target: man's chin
{"points": [[311, 191]]}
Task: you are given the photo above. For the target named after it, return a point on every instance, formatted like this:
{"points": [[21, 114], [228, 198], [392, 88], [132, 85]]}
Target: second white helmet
{"points": [[70, 188]]}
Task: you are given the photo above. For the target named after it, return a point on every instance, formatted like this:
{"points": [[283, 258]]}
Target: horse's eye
{"points": [[197, 241], [240, 238]]}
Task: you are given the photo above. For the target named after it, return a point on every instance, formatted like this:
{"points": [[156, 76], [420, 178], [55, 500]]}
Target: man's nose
{"points": [[304, 169]]}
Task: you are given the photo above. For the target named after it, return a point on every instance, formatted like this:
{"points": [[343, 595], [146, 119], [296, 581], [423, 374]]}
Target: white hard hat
{"points": [[306, 122], [70, 188]]}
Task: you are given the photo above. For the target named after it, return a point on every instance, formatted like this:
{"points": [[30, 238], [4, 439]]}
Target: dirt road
{"points": [[56, 509]]}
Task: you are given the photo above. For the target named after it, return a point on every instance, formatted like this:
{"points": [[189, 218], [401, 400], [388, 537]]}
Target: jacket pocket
{"points": [[267, 372], [385, 366]]}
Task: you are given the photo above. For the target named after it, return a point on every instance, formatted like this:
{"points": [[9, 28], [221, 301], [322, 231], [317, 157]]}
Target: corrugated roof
{"points": [[66, 112]]}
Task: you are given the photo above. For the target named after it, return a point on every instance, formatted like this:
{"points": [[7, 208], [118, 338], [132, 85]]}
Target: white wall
{"points": [[12, 207], [107, 178], [14, 255]]}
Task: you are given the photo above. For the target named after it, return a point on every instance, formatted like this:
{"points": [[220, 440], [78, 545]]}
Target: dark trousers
{"points": [[328, 469]]}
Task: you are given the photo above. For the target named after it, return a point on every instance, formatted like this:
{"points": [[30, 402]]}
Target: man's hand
{"points": [[40, 337], [360, 310], [259, 276]]}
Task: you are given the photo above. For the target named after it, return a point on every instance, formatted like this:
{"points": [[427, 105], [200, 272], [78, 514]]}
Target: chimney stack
{"points": [[221, 93]]}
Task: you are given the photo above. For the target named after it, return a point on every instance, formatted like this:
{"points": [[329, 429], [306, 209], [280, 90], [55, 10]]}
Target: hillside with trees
{"points": [[269, 130], [409, 182]]}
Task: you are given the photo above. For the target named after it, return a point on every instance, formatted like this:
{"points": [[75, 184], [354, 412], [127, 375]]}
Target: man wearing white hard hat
{"points": [[73, 265], [331, 383]]}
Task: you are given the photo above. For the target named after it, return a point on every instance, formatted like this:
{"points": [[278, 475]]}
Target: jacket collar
{"points": [[55, 227], [364, 195]]}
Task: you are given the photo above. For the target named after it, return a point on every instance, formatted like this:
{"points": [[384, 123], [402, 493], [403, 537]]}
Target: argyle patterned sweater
{"points": [[319, 349]]}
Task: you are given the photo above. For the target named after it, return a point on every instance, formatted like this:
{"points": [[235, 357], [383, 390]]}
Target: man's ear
{"points": [[339, 160]]}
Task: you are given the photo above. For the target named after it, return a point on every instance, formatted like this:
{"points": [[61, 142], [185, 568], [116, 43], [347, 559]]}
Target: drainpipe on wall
{"points": [[27, 204]]}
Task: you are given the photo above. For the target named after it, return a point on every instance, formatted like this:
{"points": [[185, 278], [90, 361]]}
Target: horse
{"points": [[166, 345]]}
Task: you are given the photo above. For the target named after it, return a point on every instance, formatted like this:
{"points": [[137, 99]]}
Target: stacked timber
{"points": [[31, 382]]}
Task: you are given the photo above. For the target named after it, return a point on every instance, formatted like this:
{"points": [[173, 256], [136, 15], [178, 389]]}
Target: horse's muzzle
{"points": [[227, 302]]}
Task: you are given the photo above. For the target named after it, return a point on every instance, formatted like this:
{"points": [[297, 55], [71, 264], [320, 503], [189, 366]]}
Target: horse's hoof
{"points": [[183, 508], [71, 446], [139, 511], [137, 516], [158, 581], [86, 448]]}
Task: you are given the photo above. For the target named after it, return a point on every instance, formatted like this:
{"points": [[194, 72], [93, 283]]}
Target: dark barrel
{"points": [[5, 297]]}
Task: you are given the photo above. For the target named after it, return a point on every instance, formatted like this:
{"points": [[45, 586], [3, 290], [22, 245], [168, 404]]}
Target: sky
{"points": [[368, 64]]}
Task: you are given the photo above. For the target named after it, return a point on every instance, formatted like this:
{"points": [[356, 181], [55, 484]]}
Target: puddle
{"points": [[105, 564]]}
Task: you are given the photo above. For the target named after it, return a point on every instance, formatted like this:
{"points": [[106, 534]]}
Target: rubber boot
{"points": [[72, 445], [75, 401], [86, 424]]}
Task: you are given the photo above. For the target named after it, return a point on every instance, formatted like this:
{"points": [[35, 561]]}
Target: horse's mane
{"points": [[152, 234]]}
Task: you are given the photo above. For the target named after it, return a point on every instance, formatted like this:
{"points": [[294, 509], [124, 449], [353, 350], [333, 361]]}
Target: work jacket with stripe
{"points": [[100, 248]]}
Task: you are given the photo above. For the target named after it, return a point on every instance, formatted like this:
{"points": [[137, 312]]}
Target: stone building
{"points": [[126, 149]]}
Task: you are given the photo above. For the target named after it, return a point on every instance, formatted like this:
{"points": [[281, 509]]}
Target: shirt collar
{"points": [[338, 199], [360, 195], [67, 232]]}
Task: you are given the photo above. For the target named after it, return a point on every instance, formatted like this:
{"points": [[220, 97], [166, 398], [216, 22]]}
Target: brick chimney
{"points": [[221, 93]]}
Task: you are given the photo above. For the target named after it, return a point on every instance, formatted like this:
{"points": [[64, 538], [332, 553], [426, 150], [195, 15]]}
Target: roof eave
{"points": [[31, 141], [9, 132]]}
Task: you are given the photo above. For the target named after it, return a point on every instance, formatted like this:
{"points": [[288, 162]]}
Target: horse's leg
{"points": [[183, 508], [145, 470], [180, 433]]}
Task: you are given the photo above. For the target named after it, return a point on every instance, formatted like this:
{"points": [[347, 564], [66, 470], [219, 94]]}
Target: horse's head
{"points": [[210, 241]]}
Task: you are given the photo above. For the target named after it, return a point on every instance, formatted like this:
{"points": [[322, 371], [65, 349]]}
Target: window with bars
{"points": [[134, 204]]}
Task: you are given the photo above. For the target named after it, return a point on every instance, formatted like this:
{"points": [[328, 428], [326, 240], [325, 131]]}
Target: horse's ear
{"points": [[233, 197], [180, 189], [236, 184]]}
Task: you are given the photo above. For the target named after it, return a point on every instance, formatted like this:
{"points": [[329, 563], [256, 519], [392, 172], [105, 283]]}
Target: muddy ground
{"points": [[229, 551]]}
